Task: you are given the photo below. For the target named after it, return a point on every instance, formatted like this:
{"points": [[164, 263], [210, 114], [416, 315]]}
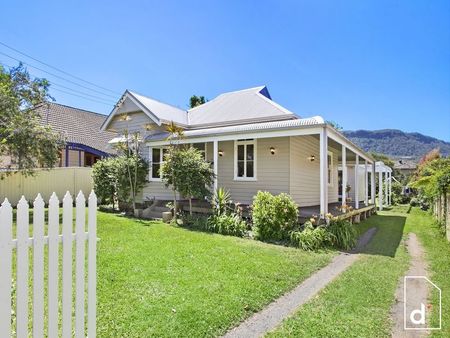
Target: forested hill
{"points": [[397, 143]]}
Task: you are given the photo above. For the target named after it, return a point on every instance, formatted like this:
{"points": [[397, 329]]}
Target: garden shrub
{"points": [[105, 181], [225, 220], [274, 217], [227, 224], [343, 233], [414, 202], [310, 238], [111, 178]]}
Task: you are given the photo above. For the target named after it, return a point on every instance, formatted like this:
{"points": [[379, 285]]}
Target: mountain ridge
{"points": [[397, 143]]}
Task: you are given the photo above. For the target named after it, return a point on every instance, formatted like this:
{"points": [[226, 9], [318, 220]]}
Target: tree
{"points": [[104, 175], [383, 158], [131, 174], [22, 136], [112, 179], [335, 125], [187, 171], [132, 168], [432, 179], [195, 101], [175, 134]]}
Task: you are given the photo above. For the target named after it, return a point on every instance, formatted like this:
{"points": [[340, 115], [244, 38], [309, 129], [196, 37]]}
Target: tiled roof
{"points": [[405, 165], [76, 125]]}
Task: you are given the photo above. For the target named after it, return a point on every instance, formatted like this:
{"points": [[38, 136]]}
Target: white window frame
{"points": [[255, 156], [205, 153], [161, 160], [330, 169]]}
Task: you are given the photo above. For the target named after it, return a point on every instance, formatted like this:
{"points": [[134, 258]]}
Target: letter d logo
{"points": [[421, 313]]}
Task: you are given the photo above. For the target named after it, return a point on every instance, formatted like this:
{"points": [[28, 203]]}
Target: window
{"points": [[156, 158], [245, 160], [330, 168], [201, 147]]}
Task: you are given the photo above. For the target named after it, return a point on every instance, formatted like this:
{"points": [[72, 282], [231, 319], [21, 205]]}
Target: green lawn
{"points": [[158, 280], [438, 256], [357, 304]]}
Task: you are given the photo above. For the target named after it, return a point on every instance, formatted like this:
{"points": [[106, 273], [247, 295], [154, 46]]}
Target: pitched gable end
{"points": [[129, 103]]}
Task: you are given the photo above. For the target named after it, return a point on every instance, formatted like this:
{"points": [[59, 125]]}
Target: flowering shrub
{"points": [[274, 217]]}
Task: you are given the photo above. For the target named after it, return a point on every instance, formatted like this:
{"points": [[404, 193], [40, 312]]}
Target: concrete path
{"points": [[417, 291], [276, 312]]}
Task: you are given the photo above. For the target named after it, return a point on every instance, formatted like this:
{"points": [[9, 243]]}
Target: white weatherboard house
{"points": [[253, 144]]}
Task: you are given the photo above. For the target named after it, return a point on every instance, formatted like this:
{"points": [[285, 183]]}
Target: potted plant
{"points": [[348, 199], [168, 215]]}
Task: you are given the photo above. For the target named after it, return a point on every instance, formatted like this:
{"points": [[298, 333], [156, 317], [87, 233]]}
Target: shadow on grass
{"points": [[389, 234], [144, 222]]}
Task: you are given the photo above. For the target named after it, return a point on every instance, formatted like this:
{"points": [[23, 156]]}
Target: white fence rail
{"points": [[23, 243], [45, 182]]}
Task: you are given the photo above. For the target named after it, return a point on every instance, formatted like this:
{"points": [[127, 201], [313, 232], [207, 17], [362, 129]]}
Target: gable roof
{"points": [[232, 108], [248, 105], [76, 125], [163, 111], [157, 111]]}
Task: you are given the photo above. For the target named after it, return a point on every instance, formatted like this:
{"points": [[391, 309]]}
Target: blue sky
{"points": [[365, 64]]}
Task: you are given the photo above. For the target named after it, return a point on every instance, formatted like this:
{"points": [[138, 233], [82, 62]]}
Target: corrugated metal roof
{"points": [[245, 128], [232, 108], [162, 110], [249, 104]]}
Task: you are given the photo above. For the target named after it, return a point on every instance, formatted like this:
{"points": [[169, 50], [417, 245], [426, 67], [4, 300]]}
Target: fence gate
{"points": [[47, 281]]}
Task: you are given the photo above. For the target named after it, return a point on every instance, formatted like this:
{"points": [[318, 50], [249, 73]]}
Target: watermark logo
{"points": [[416, 309]]}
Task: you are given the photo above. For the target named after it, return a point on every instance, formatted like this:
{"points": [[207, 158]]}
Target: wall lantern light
{"points": [[220, 152], [311, 158], [272, 150]]}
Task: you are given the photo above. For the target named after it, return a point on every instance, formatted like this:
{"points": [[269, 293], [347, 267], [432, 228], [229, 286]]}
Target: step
{"points": [[153, 215], [160, 209]]}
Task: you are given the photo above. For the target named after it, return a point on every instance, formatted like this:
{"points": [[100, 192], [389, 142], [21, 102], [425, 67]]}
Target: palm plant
{"points": [[221, 201], [175, 133]]}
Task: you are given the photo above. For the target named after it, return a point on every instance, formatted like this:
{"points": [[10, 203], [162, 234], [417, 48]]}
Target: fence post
{"points": [[6, 264], [67, 266], [79, 263], [38, 241], [92, 264], [22, 268], [38, 266], [447, 223], [53, 234]]}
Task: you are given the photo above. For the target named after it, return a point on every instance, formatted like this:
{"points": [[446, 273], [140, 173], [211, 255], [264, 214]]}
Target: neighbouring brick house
{"points": [[85, 142]]}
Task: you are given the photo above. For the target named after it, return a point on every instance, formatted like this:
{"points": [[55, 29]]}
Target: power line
{"points": [[83, 96], [79, 92], [57, 69], [57, 76], [86, 98]]}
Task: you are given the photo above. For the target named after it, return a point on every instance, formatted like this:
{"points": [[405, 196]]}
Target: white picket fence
{"points": [[22, 244]]}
